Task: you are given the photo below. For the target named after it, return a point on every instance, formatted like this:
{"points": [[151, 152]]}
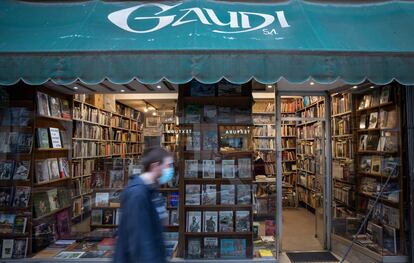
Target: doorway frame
{"points": [[328, 165]]}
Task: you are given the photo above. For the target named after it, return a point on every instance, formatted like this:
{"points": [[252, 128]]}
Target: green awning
{"points": [[91, 41]]}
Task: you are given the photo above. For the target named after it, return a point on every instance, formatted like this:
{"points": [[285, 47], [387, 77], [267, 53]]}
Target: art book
{"points": [[244, 195], [53, 169], [63, 167], [365, 165], [65, 109], [41, 204], [52, 195], [25, 141], [232, 248], [108, 217], [210, 141], [385, 95], [43, 104], [244, 168], [373, 120], [226, 221], [210, 221], [98, 179], [55, 139], [209, 194], [191, 169], [209, 169], [200, 90], [6, 169], [96, 217], [20, 223], [227, 194], [21, 171], [194, 248], [42, 171], [116, 179], [21, 196], [192, 194], [227, 169], [194, 221], [210, 247], [102, 199], [42, 138], [242, 221], [375, 164], [54, 104], [7, 223]]}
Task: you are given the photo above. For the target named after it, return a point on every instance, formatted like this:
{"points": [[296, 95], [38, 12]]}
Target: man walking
{"points": [[140, 230]]}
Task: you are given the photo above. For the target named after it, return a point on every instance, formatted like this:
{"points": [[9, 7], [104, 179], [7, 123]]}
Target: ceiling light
{"points": [[312, 83], [269, 86], [122, 90], [372, 87], [158, 86], [154, 113], [75, 88], [355, 87], [151, 108], [146, 109]]}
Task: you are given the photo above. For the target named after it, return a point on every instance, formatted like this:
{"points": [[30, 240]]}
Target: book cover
{"points": [[5, 196], [372, 142], [210, 140], [98, 179], [53, 198], [174, 199], [381, 144], [66, 142], [21, 171], [42, 171], [41, 204], [70, 255], [43, 104], [210, 114], [209, 194], [226, 88], [390, 239], [53, 168], [7, 223], [363, 121], [63, 167], [116, 179], [209, 169], [244, 168], [25, 141], [383, 117], [385, 95], [20, 223], [375, 101], [367, 101], [233, 248], [194, 221], [373, 120], [19, 248], [65, 109], [21, 196], [42, 138], [227, 169], [391, 143], [7, 248], [191, 169], [55, 140], [102, 199], [194, 248], [210, 221], [226, 221], [96, 217], [365, 165], [201, 90], [108, 217], [174, 221], [242, 221], [63, 224], [115, 198], [392, 119], [210, 248], [227, 194], [6, 169], [363, 140], [244, 194], [192, 194], [390, 166], [54, 104], [375, 164]]}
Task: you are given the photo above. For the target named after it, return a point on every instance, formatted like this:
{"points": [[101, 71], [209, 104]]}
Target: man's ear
{"points": [[153, 165]]}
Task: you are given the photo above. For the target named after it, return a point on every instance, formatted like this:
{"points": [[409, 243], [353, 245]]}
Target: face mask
{"points": [[167, 175]]}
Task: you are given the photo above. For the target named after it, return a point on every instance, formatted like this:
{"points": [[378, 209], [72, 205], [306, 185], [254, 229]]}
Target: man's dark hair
{"points": [[154, 155]]}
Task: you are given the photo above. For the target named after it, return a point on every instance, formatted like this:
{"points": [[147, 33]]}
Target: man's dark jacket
{"points": [[140, 237]]}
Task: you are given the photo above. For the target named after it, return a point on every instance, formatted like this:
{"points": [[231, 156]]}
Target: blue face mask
{"points": [[167, 175]]}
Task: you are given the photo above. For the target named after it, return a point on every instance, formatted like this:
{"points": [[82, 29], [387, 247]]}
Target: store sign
{"points": [[236, 21]]}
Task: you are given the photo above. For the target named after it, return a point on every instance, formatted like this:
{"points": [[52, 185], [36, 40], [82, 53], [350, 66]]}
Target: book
{"points": [[55, 107], [63, 167], [210, 141], [227, 194], [375, 164], [66, 142], [226, 221], [108, 243], [65, 109], [365, 164], [244, 168], [98, 179], [372, 142], [174, 218], [200, 90], [6, 169], [363, 121], [174, 199], [227, 169], [108, 217], [390, 239], [192, 194], [210, 248], [21, 170], [210, 221], [20, 223], [209, 193], [21, 196], [102, 199], [194, 221], [363, 139], [42, 138], [43, 104], [232, 248], [194, 248], [375, 98], [7, 223], [42, 171], [24, 143], [63, 224], [191, 169], [244, 194], [392, 119], [390, 167], [55, 140], [242, 221], [266, 253], [70, 255], [385, 95], [53, 165], [209, 169], [367, 101], [96, 217], [53, 198], [373, 120], [7, 248], [116, 179], [19, 248], [383, 117], [210, 114], [5, 196]]}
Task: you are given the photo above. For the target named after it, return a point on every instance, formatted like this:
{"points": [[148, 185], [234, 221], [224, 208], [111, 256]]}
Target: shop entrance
{"points": [[302, 150]]}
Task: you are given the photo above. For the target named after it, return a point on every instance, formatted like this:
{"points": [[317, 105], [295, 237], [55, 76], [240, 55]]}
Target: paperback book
{"points": [[209, 194], [43, 104], [210, 221], [116, 179], [194, 221], [242, 221], [227, 169], [53, 165], [6, 169], [227, 194], [210, 248], [102, 199], [373, 120], [244, 166], [7, 223], [53, 199], [41, 204], [55, 139], [244, 194], [21, 170], [55, 109], [194, 248], [63, 167], [108, 217], [191, 169], [5, 196], [209, 168], [42, 138], [385, 95], [21, 196], [96, 217], [192, 194], [42, 171], [226, 221], [233, 248], [210, 141]]}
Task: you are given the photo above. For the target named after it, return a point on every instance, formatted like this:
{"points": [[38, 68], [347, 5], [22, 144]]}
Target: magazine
{"points": [[192, 194], [210, 221], [227, 167], [194, 221], [226, 221], [244, 167], [227, 194], [191, 169], [209, 194], [209, 169]]}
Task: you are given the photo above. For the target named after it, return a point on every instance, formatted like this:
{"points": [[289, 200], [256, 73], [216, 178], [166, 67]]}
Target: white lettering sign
{"points": [[237, 21]]}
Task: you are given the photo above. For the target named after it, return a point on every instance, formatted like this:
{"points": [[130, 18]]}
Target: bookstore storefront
{"points": [[280, 119]]}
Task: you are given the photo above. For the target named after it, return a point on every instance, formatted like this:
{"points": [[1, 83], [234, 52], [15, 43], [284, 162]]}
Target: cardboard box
{"points": [[96, 100], [109, 102]]}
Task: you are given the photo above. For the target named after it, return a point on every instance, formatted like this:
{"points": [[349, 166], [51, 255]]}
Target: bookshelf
{"points": [[168, 126], [215, 167]]}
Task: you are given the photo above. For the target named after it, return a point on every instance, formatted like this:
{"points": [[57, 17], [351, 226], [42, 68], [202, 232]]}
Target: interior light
{"points": [[151, 108], [372, 87], [146, 109], [158, 86], [154, 113], [122, 90], [269, 86], [355, 87], [75, 88], [312, 83]]}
